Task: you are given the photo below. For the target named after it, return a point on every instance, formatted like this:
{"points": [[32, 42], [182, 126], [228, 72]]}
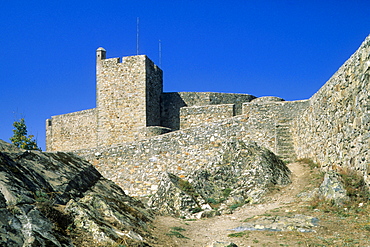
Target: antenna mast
{"points": [[160, 53], [137, 35]]}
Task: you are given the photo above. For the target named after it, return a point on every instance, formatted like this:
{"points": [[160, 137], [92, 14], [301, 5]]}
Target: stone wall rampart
{"points": [[334, 129], [195, 115], [231, 98], [173, 102], [276, 111], [72, 131], [154, 90], [273, 120], [136, 166]]}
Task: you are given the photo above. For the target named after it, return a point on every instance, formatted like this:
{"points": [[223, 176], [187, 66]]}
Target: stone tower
{"points": [[128, 96]]}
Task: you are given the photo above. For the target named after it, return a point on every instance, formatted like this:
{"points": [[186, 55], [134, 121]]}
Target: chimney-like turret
{"points": [[100, 55]]}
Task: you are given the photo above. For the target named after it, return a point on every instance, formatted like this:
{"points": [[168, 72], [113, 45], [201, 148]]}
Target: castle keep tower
{"points": [[128, 97], [127, 102]]}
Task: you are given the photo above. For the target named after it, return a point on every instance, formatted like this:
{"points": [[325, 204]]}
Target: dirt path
{"points": [[205, 231]]}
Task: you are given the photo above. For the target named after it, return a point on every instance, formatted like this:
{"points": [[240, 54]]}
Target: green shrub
{"points": [[176, 234], [177, 228], [41, 196], [235, 206], [20, 137], [237, 235], [211, 201], [196, 210], [226, 192]]}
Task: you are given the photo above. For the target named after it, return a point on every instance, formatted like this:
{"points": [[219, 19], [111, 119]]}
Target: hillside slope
{"points": [[58, 199], [348, 225]]}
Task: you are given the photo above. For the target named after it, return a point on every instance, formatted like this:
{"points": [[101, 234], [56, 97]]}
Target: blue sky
{"points": [[285, 48]]}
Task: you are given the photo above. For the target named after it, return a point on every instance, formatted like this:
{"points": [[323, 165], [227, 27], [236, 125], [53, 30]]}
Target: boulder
{"points": [[243, 174], [332, 188], [175, 196], [48, 199]]}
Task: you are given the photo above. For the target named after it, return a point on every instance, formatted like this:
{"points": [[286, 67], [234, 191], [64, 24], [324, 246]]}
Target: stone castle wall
{"points": [[272, 120], [131, 106], [171, 103], [154, 90], [72, 131], [194, 115], [335, 129], [137, 166], [115, 91], [273, 113]]}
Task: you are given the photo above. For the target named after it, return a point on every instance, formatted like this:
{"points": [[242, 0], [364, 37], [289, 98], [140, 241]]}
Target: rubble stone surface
{"points": [[44, 194]]}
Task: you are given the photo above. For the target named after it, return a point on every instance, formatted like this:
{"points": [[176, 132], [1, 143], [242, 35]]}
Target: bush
{"points": [[20, 138]]}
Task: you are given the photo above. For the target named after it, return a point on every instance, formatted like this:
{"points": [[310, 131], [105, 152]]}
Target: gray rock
{"points": [[308, 195], [332, 188], [109, 216], [242, 175], [43, 194], [300, 223], [176, 196]]}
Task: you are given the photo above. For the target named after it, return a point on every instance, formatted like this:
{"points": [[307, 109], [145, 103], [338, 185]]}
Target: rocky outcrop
{"points": [[242, 174], [331, 189], [48, 198]]}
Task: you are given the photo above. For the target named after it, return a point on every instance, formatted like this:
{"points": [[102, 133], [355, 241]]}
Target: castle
{"points": [[131, 106], [136, 132]]}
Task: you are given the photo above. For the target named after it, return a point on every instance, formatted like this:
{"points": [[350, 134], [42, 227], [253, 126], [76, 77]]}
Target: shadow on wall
{"points": [[172, 102], [170, 110]]}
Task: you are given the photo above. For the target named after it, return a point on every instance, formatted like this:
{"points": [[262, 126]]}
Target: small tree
{"points": [[20, 138]]}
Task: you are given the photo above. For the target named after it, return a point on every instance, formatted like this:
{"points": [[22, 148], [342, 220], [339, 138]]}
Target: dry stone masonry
{"points": [[335, 128], [137, 132], [137, 166]]}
